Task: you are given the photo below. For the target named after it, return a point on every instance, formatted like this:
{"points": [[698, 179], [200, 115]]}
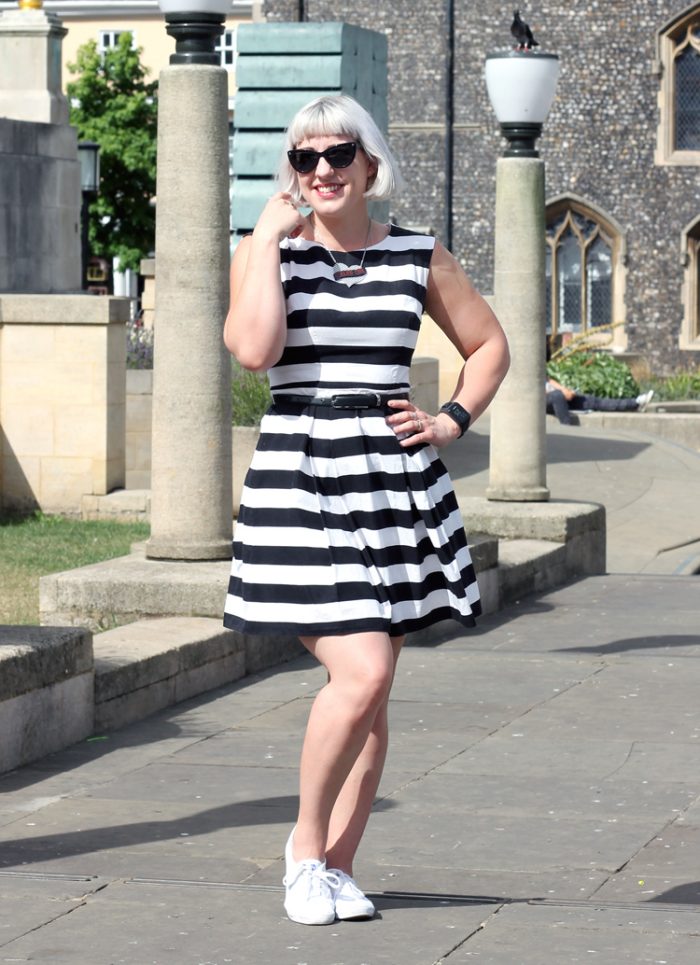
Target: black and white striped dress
{"points": [[341, 530]]}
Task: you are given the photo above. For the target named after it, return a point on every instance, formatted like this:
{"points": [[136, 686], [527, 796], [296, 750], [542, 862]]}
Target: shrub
{"points": [[250, 396], [594, 373], [674, 388]]}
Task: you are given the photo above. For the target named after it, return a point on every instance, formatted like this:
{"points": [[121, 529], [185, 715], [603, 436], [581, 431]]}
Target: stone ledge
{"points": [[129, 588], [46, 691], [530, 566], [151, 664], [122, 505], [36, 657], [665, 421], [555, 520], [82, 309]]}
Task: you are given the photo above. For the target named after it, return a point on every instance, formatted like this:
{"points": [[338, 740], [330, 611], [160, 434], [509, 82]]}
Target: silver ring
{"points": [[419, 424]]}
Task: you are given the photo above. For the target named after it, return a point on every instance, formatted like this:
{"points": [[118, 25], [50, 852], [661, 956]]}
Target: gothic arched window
{"points": [[678, 66], [584, 270]]}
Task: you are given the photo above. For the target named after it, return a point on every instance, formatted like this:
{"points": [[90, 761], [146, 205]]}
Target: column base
{"points": [[186, 550], [518, 494]]}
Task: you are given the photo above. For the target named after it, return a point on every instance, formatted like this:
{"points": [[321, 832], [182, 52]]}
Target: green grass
{"points": [[32, 546]]}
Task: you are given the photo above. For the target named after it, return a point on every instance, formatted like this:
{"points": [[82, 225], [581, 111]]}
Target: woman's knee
{"points": [[371, 683], [362, 668]]}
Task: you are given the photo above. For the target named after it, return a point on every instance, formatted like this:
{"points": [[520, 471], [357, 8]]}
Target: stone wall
{"points": [[39, 208], [62, 406], [599, 141]]}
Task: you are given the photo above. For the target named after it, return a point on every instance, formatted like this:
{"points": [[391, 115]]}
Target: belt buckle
{"points": [[359, 400]]}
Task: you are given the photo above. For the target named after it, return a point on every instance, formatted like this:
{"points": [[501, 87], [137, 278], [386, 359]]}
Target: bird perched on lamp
{"points": [[522, 33]]}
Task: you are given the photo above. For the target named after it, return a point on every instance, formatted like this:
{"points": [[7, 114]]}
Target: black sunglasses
{"points": [[304, 160]]}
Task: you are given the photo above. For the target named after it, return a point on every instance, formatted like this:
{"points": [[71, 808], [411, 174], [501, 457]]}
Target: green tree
{"points": [[114, 105]]}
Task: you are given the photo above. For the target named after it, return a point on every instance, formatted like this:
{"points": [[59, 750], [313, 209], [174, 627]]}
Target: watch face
{"points": [[459, 414]]}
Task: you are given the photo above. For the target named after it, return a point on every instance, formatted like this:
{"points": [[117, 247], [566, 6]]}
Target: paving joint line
{"points": [[412, 896], [479, 928], [79, 903]]}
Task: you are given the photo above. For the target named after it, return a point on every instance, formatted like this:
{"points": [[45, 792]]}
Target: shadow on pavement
{"points": [[473, 458], [24, 851], [685, 894], [560, 448], [65, 844], [638, 643]]}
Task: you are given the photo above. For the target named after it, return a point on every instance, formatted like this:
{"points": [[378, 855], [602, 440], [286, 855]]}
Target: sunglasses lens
{"points": [[303, 161], [342, 155]]}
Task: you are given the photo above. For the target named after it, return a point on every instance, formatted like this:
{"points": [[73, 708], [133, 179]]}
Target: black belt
{"points": [[350, 400]]}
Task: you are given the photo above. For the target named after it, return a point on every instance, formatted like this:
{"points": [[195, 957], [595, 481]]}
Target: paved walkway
{"points": [[650, 489], [541, 801]]}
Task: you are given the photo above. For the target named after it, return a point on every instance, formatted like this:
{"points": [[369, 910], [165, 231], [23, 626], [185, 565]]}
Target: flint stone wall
{"points": [[599, 141]]}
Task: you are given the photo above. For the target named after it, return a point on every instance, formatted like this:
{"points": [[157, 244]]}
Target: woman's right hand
{"points": [[280, 219]]}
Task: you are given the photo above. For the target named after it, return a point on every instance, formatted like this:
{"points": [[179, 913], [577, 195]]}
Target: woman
{"points": [[349, 534]]}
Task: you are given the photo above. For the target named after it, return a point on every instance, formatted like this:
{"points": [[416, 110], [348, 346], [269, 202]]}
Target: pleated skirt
{"points": [[341, 531]]}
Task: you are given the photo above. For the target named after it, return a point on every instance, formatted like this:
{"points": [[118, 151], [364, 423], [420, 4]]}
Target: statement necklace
{"points": [[350, 273]]}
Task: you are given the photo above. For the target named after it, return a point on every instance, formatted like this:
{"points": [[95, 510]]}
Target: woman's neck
{"points": [[343, 234]]}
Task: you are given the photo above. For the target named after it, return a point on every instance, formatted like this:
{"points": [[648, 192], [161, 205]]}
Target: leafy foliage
{"points": [[250, 396], [594, 373], [114, 105], [675, 388]]}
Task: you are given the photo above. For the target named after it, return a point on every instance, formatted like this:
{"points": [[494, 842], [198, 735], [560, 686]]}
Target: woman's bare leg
{"points": [[360, 671], [354, 803]]}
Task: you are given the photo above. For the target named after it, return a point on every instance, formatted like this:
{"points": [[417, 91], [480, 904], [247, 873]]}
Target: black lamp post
{"points": [[521, 86], [89, 155], [196, 25]]}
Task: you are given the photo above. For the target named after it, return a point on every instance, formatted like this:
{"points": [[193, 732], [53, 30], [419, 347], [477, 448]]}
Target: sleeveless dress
{"points": [[341, 530]]}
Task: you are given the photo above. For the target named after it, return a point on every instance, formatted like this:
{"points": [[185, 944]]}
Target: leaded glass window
{"points": [[677, 65], [579, 272], [687, 91]]}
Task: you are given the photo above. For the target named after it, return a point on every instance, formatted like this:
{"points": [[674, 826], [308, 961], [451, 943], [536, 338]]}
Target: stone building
{"points": [[621, 146]]}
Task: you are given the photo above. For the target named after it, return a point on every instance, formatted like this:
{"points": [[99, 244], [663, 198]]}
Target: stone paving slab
{"points": [[519, 933], [32, 903]]}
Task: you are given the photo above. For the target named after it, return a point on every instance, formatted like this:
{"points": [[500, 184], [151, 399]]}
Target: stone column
{"points": [[517, 470], [30, 66], [191, 455]]}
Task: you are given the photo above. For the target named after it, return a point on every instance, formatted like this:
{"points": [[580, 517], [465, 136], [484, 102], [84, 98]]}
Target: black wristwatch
{"points": [[460, 415]]}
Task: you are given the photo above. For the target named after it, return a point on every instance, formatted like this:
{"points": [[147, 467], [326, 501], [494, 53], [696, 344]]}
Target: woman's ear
{"points": [[372, 168]]}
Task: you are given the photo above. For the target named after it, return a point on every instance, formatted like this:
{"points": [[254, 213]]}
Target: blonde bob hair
{"points": [[340, 114]]}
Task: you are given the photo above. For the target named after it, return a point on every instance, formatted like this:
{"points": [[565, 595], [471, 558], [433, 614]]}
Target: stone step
{"points": [[150, 664], [46, 691]]}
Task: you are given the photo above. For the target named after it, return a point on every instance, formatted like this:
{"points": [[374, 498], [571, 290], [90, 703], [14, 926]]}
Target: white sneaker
{"points": [[309, 890], [350, 902], [644, 399]]}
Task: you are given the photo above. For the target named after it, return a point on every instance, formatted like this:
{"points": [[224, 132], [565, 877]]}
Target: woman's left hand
{"points": [[412, 425]]}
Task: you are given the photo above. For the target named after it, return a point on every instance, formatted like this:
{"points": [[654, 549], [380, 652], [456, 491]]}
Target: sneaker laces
{"points": [[347, 882], [316, 877]]}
